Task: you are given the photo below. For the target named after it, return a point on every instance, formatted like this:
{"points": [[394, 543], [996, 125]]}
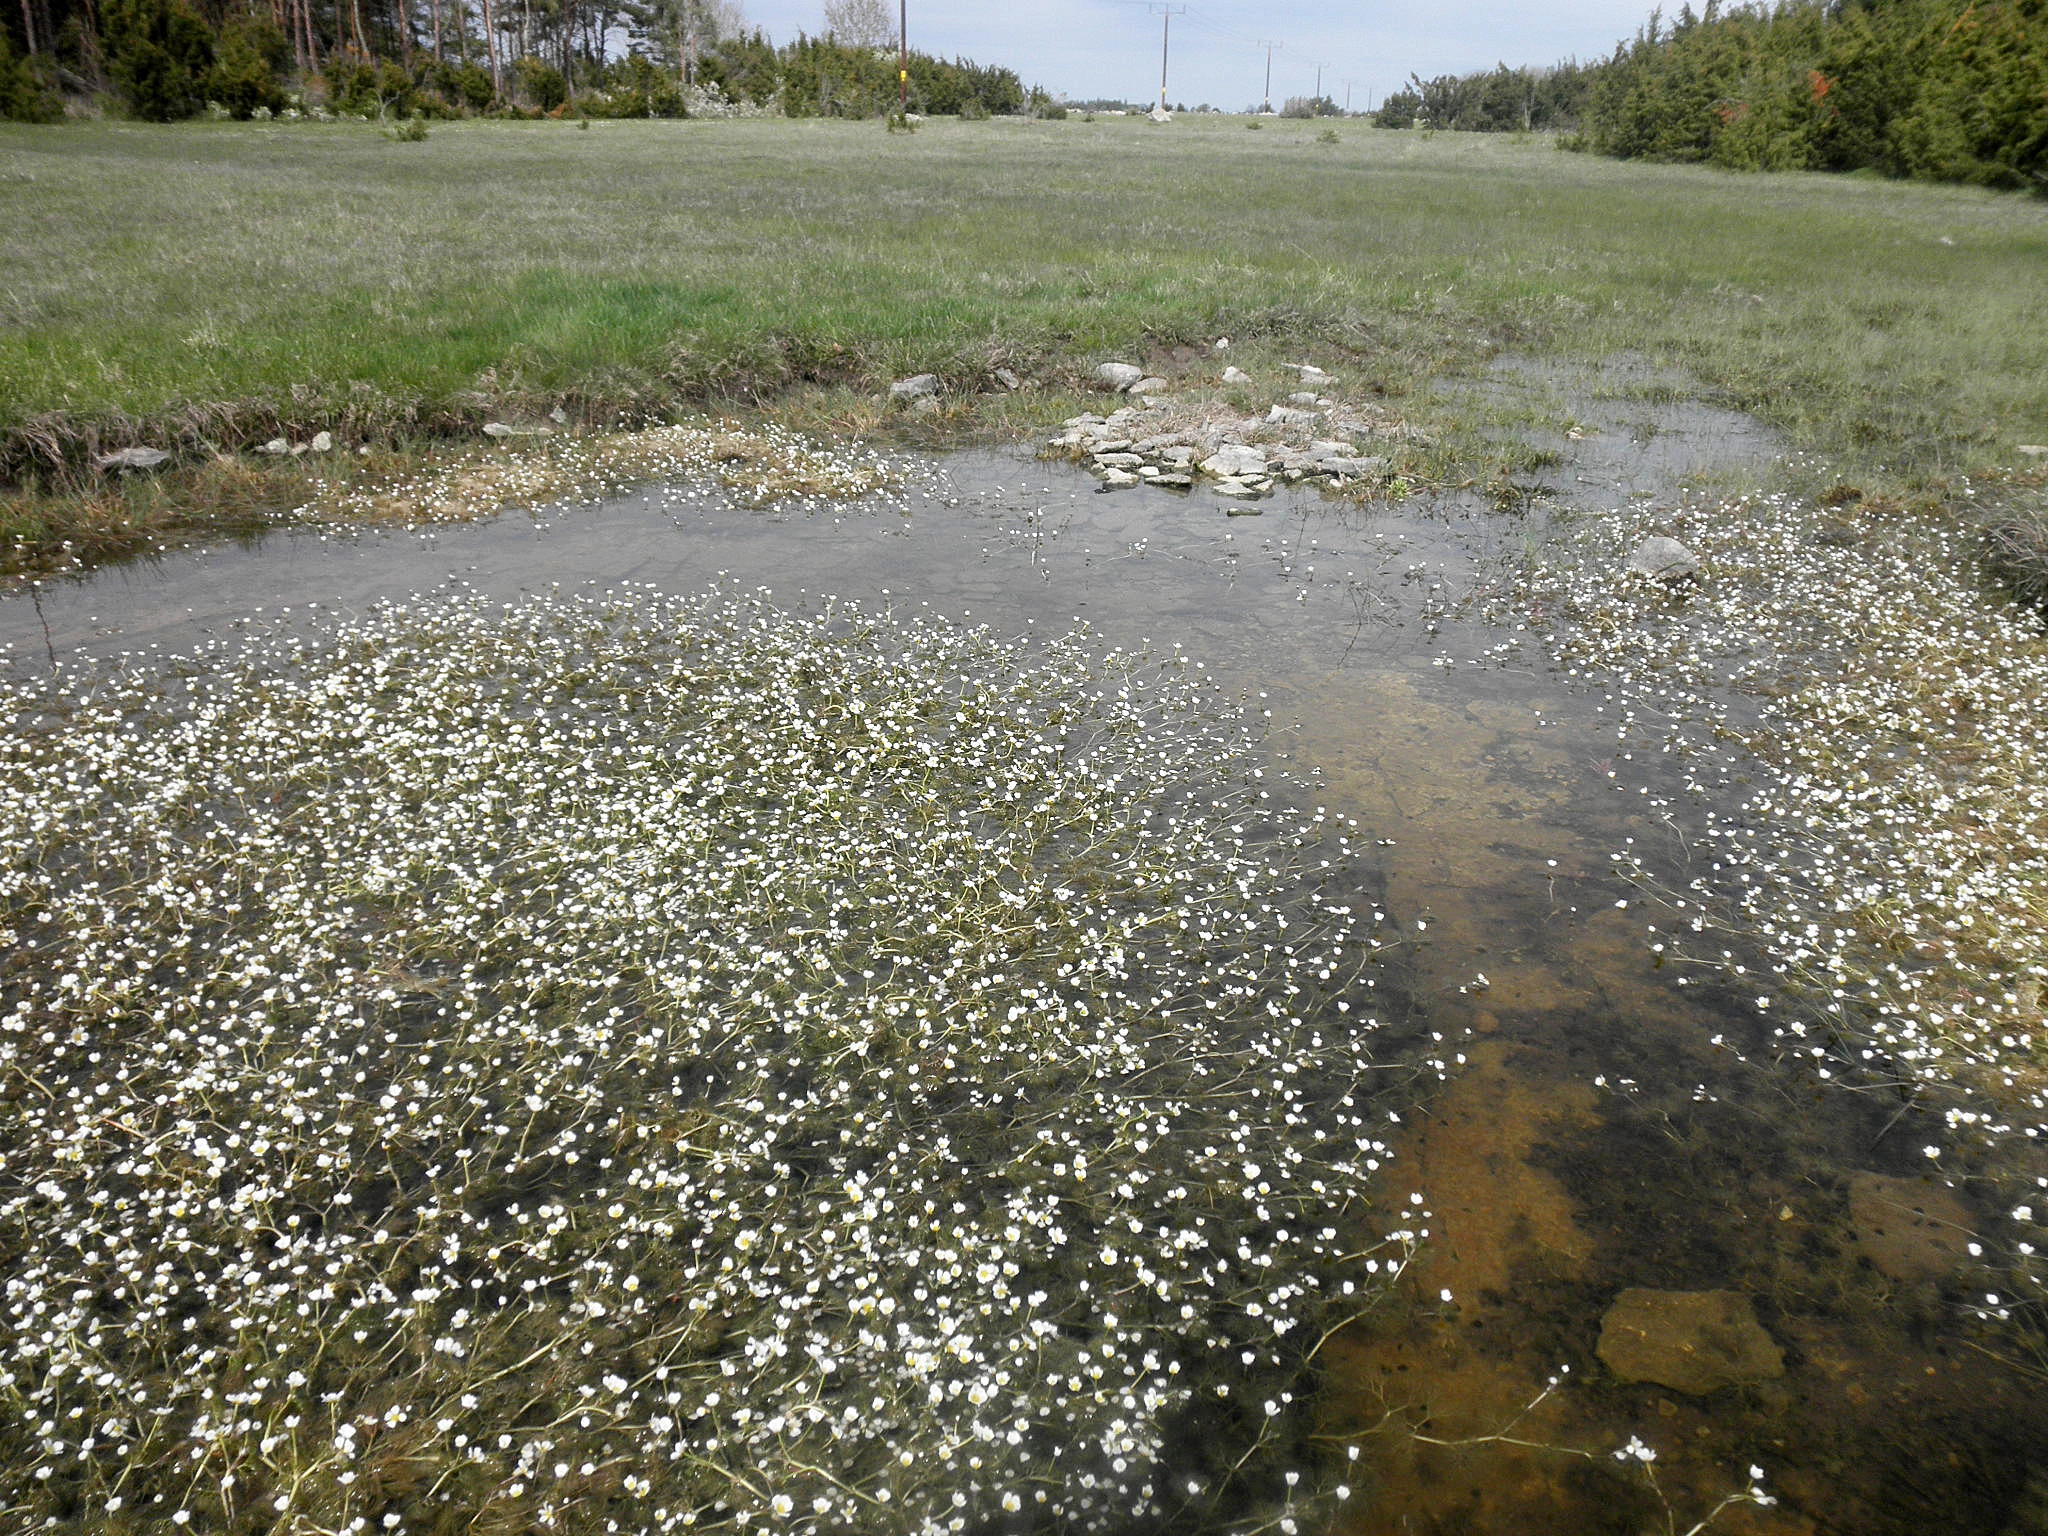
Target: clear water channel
{"points": [[1593, 1141]]}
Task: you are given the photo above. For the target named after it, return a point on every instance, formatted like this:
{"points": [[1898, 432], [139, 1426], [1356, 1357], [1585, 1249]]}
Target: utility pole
{"points": [[1266, 105], [1165, 13], [902, 57], [1319, 84], [1347, 96]]}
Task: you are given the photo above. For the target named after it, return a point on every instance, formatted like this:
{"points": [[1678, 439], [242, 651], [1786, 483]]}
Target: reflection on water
{"points": [[1594, 1140]]}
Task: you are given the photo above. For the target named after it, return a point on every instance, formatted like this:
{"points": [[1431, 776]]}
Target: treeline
{"points": [[1501, 100], [162, 60], [1950, 90]]}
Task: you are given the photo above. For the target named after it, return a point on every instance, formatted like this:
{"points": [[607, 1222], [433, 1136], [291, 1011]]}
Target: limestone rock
{"points": [[133, 458], [1119, 460], [323, 442], [1663, 559], [923, 405], [1118, 376], [1236, 375], [1335, 466], [1234, 459], [1148, 386], [1117, 479], [276, 445], [1007, 379], [1911, 1229], [1288, 416], [916, 387], [1235, 488], [1691, 1341]]}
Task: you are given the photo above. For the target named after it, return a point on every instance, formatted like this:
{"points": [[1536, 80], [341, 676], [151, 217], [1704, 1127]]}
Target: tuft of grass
{"points": [[2018, 547]]}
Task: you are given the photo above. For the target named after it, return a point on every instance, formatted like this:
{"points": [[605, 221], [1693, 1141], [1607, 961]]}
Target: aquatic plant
{"points": [[1858, 727], [755, 465], [631, 1063]]}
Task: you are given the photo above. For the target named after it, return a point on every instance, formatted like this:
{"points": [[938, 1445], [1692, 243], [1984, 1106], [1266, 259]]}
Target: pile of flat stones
{"points": [[1308, 437]]}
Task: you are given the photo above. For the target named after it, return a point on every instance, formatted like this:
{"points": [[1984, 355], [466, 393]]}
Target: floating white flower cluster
{"points": [[633, 1063], [756, 464]]}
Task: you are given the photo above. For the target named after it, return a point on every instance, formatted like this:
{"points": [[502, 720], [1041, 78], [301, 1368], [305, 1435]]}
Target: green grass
{"points": [[214, 282]]}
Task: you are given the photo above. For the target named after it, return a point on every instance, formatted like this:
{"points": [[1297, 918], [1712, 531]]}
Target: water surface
{"points": [[1592, 1139]]}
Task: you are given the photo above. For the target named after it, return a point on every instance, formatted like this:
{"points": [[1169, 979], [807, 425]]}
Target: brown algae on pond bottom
{"points": [[1590, 1141]]}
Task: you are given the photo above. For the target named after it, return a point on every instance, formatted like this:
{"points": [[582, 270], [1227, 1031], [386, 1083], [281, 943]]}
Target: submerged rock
{"points": [[1910, 1229], [1664, 559], [1691, 1341]]}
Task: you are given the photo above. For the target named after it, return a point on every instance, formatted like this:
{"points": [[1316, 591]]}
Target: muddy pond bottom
{"points": [[1637, 1237]]}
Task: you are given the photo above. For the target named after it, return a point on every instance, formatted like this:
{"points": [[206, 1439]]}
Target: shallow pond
{"points": [[1593, 1140]]}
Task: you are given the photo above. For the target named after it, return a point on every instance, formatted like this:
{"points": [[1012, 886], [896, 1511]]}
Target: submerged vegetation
{"points": [[1865, 803], [640, 1063]]}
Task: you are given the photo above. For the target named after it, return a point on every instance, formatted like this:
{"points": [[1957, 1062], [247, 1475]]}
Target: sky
{"points": [[1089, 49]]}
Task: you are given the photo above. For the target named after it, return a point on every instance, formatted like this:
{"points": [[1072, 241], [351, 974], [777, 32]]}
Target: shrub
{"points": [[159, 53], [246, 66], [465, 85], [542, 84], [364, 86], [25, 96]]}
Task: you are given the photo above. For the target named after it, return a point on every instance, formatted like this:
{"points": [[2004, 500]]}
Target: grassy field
{"points": [[207, 286]]}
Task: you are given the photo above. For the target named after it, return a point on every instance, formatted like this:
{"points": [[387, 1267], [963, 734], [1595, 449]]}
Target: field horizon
{"points": [[217, 282]]}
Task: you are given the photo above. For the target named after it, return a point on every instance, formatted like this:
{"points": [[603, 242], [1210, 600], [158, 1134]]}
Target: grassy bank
{"points": [[209, 286]]}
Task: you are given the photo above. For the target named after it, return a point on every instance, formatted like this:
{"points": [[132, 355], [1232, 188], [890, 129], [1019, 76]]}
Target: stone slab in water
{"points": [[1911, 1229], [1691, 1341]]}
